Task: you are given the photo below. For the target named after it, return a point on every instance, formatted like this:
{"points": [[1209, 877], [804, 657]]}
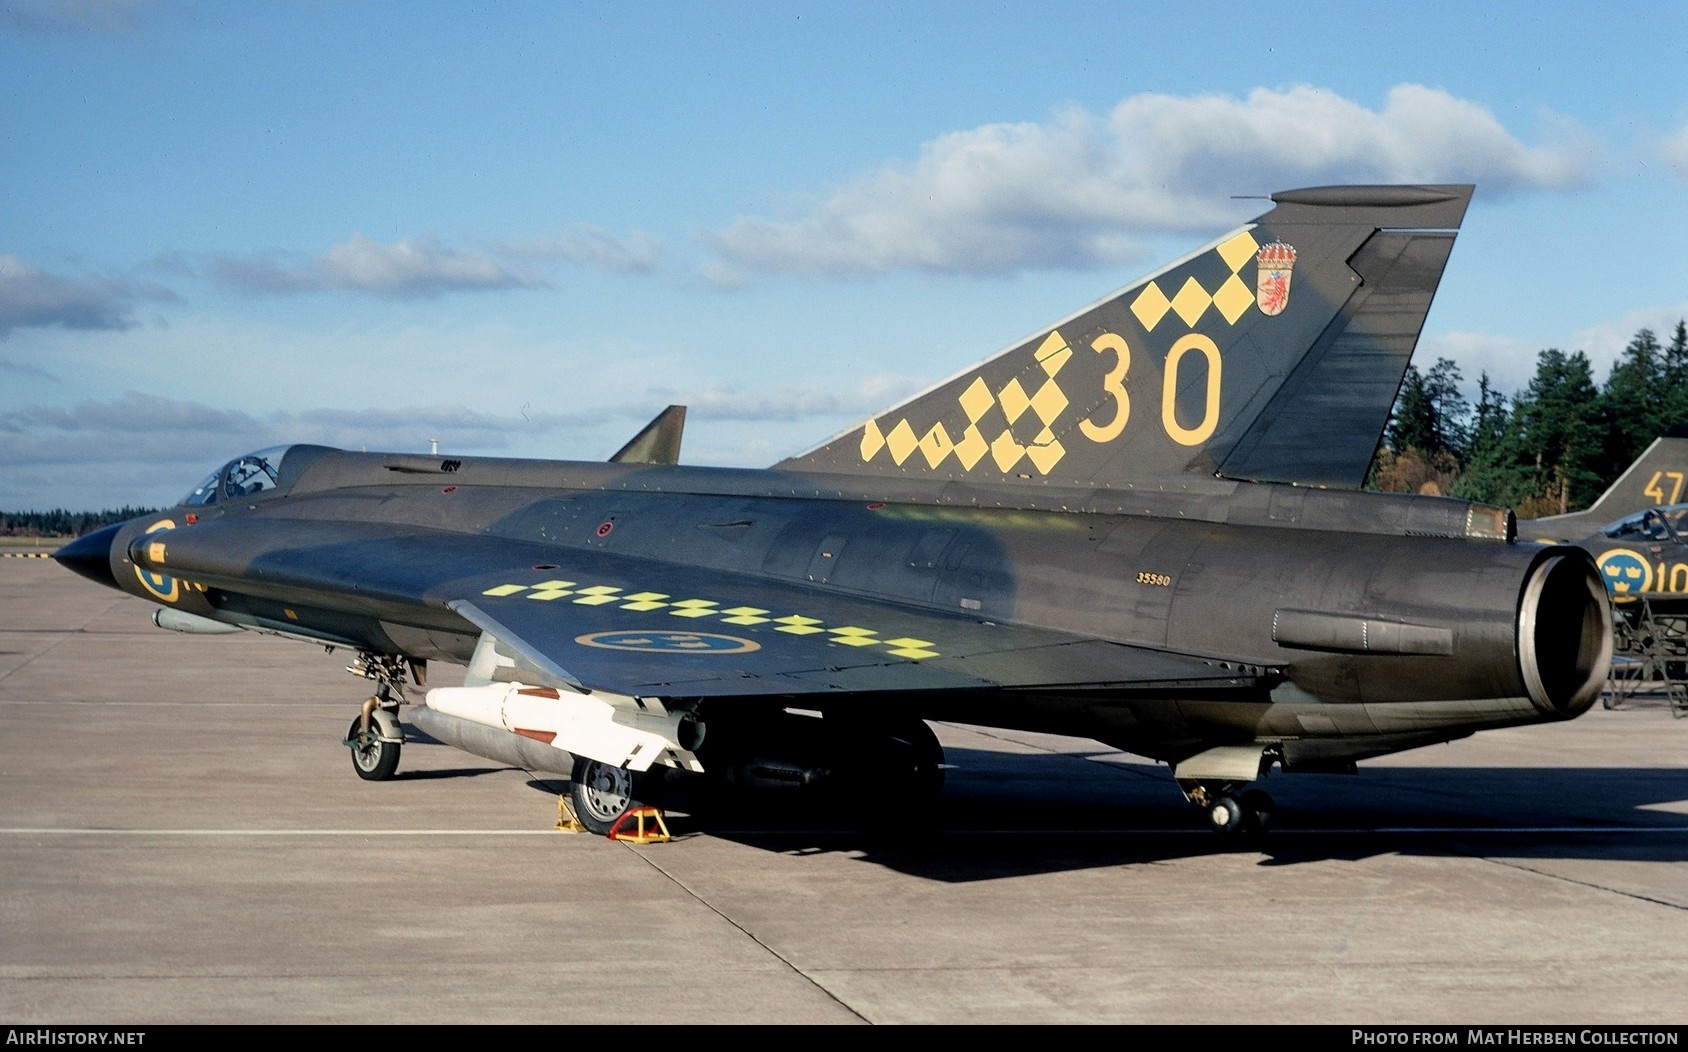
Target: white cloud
{"points": [[868, 396], [1511, 362], [142, 429], [1605, 342], [593, 246], [146, 450], [34, 298], [26, 369], [412, 268], [424, 268], [722, 277], [1674, 150], [1082, 190]]}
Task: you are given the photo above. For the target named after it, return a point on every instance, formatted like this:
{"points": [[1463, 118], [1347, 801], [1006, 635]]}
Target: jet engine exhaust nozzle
{"points": [[1564, 633]]}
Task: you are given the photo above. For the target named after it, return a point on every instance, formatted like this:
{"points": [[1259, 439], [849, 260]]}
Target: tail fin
{"points": [[658, 442], [1657, 477], [1274, 353]]}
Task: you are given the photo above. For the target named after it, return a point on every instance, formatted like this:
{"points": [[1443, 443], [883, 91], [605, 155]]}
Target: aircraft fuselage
{"points": [[1352, 623]]}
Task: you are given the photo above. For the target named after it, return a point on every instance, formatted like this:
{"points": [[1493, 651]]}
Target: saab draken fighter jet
{"points": [[1141, 525]]}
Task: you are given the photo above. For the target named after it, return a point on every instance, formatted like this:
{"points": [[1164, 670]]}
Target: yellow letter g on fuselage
{"points": [[161, 586]]}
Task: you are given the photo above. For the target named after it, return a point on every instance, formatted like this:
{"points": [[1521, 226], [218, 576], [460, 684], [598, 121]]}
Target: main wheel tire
{"points": [[601, 793], [373, 759], [1258, 810], [1225, 815]]}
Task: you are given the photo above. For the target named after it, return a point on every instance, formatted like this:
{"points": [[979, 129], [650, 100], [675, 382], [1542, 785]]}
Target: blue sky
{"points": [[522, 229]]}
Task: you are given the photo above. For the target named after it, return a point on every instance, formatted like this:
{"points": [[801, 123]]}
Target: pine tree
{"points": [[1412, 424], [1430, 414], [1631, 407], [1555, 437], [1489, 474], [1676, 377]]}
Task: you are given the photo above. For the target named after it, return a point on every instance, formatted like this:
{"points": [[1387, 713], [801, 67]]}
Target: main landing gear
{"points": [[600, 793], [1228, 811], [375, 736]]}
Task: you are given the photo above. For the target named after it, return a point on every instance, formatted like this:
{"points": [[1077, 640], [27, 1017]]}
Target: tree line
{"points": [[62, 523], [1551, 448]]}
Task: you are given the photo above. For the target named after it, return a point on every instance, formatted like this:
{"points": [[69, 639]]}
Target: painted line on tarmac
{"points": [[275, 832], [1277, 834]]}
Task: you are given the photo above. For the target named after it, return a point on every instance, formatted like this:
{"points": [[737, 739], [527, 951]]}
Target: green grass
{"points": [[32, 542]]}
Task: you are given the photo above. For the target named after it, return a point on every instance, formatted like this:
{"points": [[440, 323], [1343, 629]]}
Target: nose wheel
{"points": [[375, 736], [374, 756]]}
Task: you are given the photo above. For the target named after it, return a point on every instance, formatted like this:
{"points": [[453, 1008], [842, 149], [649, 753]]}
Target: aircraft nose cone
{"points": [[90, 555]]}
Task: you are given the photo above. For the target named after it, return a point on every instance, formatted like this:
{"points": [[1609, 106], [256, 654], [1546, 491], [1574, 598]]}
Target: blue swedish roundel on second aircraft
{"points": [[1625, 573]]}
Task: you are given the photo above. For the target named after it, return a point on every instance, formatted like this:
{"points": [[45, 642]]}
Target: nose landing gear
{"points": [[375, 736]]}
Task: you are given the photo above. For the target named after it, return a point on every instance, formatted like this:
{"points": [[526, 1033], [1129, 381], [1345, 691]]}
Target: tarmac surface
{"points": [[183, 840]]}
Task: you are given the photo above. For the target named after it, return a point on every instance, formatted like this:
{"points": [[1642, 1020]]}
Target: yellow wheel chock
{"points": [[655, 833], [566, 821]]}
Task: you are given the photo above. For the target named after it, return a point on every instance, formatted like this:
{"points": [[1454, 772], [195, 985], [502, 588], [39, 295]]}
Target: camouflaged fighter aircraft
{"points": [[1637, 531], [1141, 525], [1656, 478]]}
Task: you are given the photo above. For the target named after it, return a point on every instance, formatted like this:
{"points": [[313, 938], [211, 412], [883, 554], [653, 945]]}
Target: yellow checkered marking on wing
{"points": [[548, 590], [792, 624], [695, 608], [852, 636], [645, 601], [598, 595], [912, 648], [798, 625]]}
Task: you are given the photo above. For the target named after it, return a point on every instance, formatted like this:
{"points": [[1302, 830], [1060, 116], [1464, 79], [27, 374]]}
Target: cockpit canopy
{"points": [[1667, 524], [243, 478]]}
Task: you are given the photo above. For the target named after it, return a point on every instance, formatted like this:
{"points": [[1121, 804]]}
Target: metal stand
{"points": [[1649, 646]]}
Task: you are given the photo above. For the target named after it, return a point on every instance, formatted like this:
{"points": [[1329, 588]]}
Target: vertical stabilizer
{"points": [[658, 442], [1274, 353]]}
